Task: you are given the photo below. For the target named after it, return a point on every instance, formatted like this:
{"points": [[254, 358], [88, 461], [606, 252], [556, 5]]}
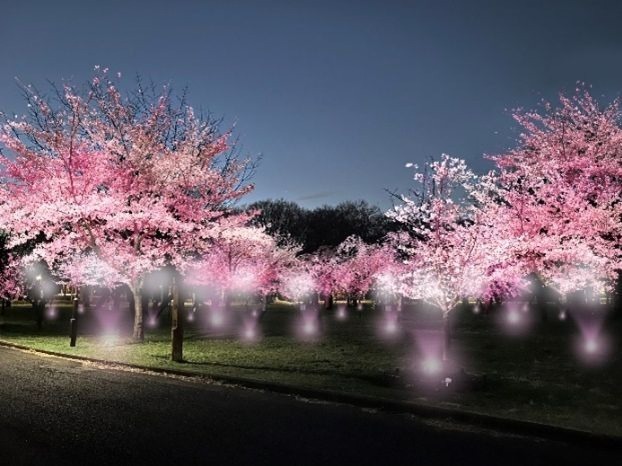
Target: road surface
{"points": [[56, 411]]}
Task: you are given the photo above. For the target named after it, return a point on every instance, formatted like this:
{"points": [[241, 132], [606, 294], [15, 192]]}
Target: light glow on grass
{"points": [[152, 322], [431, 365], [591, 346]]}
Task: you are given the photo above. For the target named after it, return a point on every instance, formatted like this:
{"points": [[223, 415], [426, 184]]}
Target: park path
{"points": [[56, 411]]}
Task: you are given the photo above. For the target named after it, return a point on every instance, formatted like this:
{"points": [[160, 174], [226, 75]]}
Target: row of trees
{"points": [[106, 188], [325, 226]]}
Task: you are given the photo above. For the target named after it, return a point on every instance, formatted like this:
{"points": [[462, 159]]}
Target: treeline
{"points": [[325, 226]]}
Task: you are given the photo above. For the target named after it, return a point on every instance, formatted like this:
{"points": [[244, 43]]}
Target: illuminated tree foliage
{"points": [[116, 187]]}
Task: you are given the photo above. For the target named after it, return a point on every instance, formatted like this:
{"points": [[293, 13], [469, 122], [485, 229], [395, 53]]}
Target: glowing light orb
{"points": [[341, 313], [591, 346], [249, 333], [309, 327], [525, 307], [152, 321], [254, 313], [216, 319], [110, 339], [51, 313], [431, 366], [191, 317], [80, 308], [476, 309], [562, 315], [447, 381], [513, 317], [390, 326], [359, 307]]}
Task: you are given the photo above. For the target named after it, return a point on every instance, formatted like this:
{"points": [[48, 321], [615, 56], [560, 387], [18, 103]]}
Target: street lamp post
{"points": [[177, 323], [73, 322]]}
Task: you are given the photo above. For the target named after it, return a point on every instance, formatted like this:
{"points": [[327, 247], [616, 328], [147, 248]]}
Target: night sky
{"points": [[337, 96]]}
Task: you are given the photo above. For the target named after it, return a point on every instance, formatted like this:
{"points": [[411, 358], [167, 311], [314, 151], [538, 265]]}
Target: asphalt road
{"points": [[55, 411]]}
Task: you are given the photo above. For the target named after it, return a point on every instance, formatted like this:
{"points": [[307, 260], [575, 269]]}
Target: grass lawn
{"points": [[533, 376]]}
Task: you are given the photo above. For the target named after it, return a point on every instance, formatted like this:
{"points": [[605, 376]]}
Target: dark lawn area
{"points": [[534, 375]]}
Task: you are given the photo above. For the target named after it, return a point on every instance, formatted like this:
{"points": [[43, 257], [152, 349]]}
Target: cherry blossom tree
{"points": [[452, 240], [562, 188], [244, 259], [115, 187], [359, 266]]}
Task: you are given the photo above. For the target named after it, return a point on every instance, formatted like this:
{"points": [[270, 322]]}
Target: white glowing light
{"points": [[216, 319], [341, 313], [431, 366], [476, 309], [525, 307], [309, 327], [591, 346], [359, 307], [249, 333], [448, 381], [562, 315], [38, 278], [254, 313], [390, 326], [110, 339], [513, 317]]}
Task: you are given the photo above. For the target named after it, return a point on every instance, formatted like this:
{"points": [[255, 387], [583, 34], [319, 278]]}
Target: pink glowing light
{"points": [[153, 322], [390, 326], [431, 365], [309, 327], [191, 317], [341, 312], [51, 313], [513, 317], [590, 346], [110, 339], [216, 319], [249, 333], [525, 307]]}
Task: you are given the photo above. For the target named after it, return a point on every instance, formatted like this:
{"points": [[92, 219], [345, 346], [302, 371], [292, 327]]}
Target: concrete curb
{"points": [[514, 426]]}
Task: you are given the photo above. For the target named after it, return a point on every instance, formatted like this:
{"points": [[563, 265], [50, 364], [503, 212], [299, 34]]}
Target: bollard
{"points": [[73, 323]]}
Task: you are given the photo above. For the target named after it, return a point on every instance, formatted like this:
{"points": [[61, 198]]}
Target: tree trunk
{"points": [[138, 333], [329, 301], [177, 324]]}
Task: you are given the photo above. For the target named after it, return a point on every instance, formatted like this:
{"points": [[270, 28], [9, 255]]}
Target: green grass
{"points": [[535, 377]]}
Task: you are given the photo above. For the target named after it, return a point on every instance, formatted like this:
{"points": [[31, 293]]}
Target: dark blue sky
{"points": [[336, 95]]}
